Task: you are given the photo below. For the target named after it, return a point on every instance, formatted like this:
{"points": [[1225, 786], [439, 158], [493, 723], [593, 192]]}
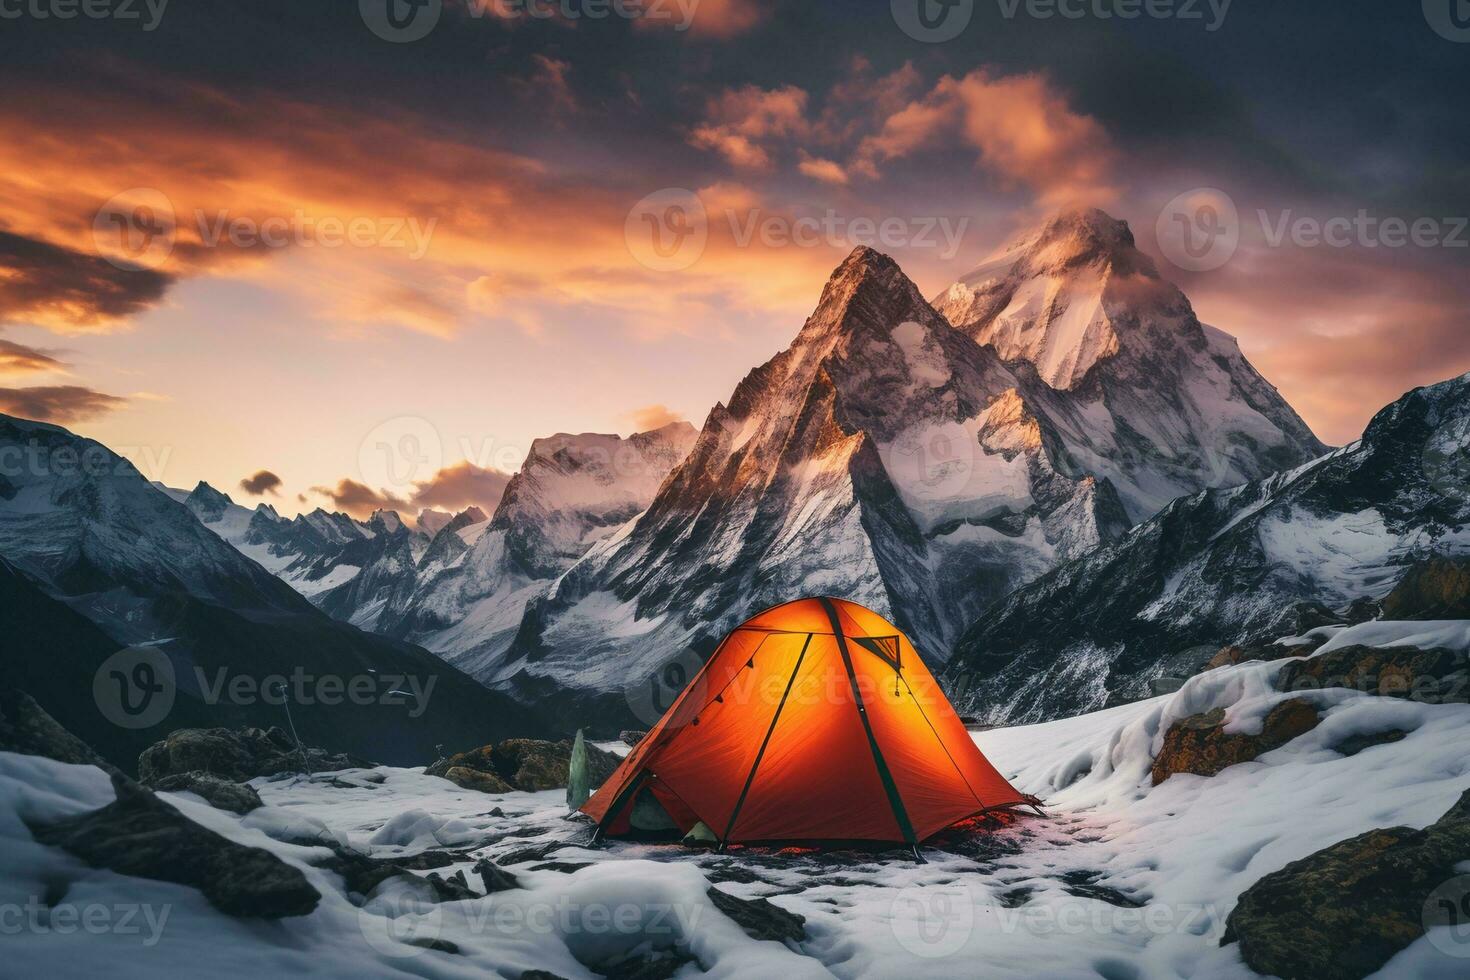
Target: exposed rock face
{"points": [[141, 836], [1427, 676], [522, 764], [235, 755], [1235, 566], [759, 918], [1200, 746], [884, 457], [1343, 912], [218, 793], [27, 729], [1438, 588]]}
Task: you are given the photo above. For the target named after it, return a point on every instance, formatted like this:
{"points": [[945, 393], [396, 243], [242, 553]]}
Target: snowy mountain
{"points": [[81, 528], [1226, 566], [473, 583], [885, 457], [1171, 405]]}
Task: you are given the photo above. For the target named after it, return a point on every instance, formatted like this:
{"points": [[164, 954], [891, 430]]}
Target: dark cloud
{"points": [[56, 285], [62, 404], [359, 499], [261, 483], [19, 359]]}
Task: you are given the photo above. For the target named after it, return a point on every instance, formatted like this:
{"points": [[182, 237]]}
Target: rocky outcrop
{"points": [[141, 836], [235, 755], [218, 793], [759, 918], [27, 729], [1437, 588], [1427, 676], [522, 764], [1200, 745], [1345, 911]]}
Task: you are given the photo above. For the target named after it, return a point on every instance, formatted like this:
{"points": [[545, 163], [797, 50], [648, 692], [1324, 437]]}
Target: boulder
{"points": [[1231, 655], [481, 782], [218, 793], [27, 729], [1436, 588], [141, 836], [759, 918], [1428, 676], [527, 764], [235, 755], [1346, 910], [631, 737], [1200, 745]]}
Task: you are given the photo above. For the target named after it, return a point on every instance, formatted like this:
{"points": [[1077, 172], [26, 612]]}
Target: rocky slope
{"points": [[107, 562], [1229, 566], [1171, 405]]}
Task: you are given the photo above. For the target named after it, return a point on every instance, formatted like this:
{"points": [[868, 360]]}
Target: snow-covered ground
{"points": [[1120, 880]]}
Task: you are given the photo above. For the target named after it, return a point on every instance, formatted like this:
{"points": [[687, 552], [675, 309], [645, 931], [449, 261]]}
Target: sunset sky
{"points": [[486, 181]]}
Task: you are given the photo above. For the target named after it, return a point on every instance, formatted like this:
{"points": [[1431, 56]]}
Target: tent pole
{"points": [[918, 858]]}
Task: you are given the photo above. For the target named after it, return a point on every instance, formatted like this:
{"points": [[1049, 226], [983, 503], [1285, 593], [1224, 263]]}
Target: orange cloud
{"points": [[651, 417], [18, 359], [1024, 130], [826, 171], [711, 19], [737, 121], [452, 488]]}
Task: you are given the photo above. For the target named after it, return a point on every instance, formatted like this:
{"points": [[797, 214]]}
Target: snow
{"points": [[1185, 850]]}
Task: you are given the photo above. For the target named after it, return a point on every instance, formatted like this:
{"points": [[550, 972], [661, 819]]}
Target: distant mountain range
{"points": [[1054, 472]]}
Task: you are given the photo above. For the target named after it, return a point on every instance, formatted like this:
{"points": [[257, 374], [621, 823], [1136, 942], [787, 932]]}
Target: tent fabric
{"points": [[813, 721]]}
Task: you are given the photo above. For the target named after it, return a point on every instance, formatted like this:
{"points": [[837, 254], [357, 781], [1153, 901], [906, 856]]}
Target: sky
{"points": [[363, 254]]}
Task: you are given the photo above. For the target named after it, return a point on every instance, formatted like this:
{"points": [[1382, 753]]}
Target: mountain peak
{"points": [[868, 292], [1080, 236]]}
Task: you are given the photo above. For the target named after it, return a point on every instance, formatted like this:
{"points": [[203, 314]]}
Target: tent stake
{"points": [[917, 856]]}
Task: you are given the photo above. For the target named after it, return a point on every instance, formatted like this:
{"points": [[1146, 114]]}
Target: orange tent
{"points": [[816, 721]]}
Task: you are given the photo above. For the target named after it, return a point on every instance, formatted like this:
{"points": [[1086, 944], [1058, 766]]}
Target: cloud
{"points": [[459, 486], [261, 483], [738, 121], [717, 20], [359, 499], [63, 404], [826, 171], [1025, 131], [453, 489], [57, 286], [19, 359], [651, 417]]}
